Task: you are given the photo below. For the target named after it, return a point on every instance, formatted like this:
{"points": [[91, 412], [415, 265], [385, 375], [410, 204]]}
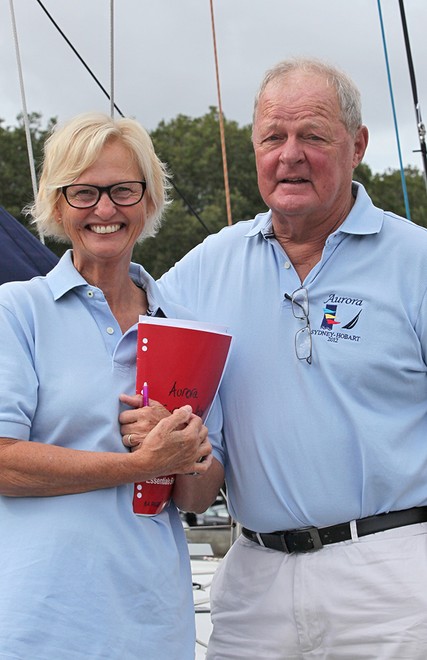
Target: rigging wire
{"points": [[114, 105], [420, 125], [221, 122], [77, 54], [112, 59], [402, 171], [24, 108]]}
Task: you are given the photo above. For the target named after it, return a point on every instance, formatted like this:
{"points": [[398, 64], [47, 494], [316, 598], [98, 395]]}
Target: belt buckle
{"points": [[281, 538], [313, 536]]}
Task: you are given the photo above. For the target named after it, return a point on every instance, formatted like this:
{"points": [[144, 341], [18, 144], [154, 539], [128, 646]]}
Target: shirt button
{"points": [[110, 331], [90, 294], [287, 265]]}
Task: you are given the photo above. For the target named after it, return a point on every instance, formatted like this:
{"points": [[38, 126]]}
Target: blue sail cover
{"points": [[22, 255]]}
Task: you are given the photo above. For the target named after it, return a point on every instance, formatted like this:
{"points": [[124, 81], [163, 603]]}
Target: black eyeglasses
{"points": [[303, 343], [125, 193]]}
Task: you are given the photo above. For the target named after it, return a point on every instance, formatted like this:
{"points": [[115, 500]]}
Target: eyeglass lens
{"points": [[125, 193], [300, 303], [303, 343]]}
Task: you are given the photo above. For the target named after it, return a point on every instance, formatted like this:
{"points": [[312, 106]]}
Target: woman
{"points": [[82, 576]]}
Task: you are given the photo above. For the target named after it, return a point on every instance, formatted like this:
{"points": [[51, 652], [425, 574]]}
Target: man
{"points": [[325, 394]]}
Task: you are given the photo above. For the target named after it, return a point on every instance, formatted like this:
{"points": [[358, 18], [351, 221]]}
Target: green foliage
{"points": [[179, 233], [191, 147], [386, 191], [15, 175], [192, 151], [15, 179]]}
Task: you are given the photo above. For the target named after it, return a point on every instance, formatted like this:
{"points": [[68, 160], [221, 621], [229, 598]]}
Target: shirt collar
{"points": [[364, 217], [64, 277], [262, 224]]}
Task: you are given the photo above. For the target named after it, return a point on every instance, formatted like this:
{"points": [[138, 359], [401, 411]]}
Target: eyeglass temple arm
{"points": [[295, 302]]}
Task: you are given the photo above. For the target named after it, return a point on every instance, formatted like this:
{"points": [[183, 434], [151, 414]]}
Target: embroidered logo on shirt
{"points": [[339, 315]]}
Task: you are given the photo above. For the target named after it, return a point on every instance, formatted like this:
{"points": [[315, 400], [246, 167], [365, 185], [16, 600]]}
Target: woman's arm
{"points": [[173, 446]]}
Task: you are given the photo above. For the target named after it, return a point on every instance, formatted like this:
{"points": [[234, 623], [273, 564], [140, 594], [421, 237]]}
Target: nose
{"points": [[105, 207], [292, 150]]}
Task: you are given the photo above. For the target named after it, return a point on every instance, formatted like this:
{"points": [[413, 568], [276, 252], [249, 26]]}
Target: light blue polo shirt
{"points": [[346, 436], [80, 575]]}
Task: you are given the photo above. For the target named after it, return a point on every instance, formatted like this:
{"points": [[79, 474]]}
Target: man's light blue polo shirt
{"points": [[81, 576], [346, 436]]}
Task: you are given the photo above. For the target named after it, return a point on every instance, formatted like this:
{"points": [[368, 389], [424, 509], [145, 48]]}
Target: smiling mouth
{"points": [[105, 229], [294, 181]]}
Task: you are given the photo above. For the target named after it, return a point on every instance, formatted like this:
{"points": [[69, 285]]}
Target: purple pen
{"points": [[144, 392]]}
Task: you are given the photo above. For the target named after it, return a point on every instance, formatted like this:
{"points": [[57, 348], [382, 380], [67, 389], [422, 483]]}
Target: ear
{"points": [[57, 214], [361, 140]]}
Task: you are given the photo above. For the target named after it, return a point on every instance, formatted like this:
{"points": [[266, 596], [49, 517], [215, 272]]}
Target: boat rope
{"points": [[114, 105], [112, 58], [402, 171], [24, 108], [420, 124], [221, 122]]}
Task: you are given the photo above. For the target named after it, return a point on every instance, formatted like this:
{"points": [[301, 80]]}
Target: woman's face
{"points": [[105, 231]]}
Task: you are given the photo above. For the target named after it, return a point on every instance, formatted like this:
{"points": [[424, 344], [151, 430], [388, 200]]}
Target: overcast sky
{"points": [[164, 59]]}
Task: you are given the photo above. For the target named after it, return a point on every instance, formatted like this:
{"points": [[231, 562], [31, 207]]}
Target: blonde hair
{"points": [[75, 145], [348, 94]]}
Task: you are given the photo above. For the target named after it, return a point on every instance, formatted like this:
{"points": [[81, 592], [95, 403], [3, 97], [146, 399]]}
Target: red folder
{"points": [[182, 362]]}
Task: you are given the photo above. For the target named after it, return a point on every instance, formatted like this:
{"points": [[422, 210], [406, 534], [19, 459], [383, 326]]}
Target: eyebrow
{"points": [[306, 125]]}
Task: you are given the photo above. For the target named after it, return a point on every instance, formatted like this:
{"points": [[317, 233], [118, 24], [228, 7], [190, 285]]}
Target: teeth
{"points": [[104, 229]]}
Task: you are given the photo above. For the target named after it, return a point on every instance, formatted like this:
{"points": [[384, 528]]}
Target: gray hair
{"points": [[348, 94], [75, 146]]}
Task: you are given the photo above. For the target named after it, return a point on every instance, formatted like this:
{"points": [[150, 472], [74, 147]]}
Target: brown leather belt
{"points": [[308, 539]]}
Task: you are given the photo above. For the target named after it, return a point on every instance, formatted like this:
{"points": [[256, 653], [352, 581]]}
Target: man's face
{"points": [[304, 154]]}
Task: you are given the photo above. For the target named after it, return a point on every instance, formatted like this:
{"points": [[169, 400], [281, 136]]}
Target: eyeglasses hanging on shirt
{"points": [[300, 308]]}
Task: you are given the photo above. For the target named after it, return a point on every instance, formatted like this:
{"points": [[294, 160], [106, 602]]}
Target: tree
{"points": [[191, 148], [16, 188], [179, 233], [386, 191], [15, 179]]}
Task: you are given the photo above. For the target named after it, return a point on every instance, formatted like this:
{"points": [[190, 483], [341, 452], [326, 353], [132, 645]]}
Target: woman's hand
{"points": [[178, 444], [176, 441], [136, 423]]}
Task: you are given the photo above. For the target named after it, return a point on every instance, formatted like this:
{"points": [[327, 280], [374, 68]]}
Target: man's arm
{"points": [[196, 493]]}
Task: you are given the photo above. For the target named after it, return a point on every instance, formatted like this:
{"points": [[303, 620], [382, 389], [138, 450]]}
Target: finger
{"points": [[204, 432], [205, 449], [195, 425], [149, 414], [131, 440], [201, 467], [180, 416], [134, 400]]}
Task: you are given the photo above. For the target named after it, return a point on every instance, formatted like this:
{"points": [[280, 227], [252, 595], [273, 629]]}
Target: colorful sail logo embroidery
{"points": [[329, 317]]}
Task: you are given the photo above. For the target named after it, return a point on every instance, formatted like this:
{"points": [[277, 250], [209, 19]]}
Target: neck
{"points": [[303, 239]]}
